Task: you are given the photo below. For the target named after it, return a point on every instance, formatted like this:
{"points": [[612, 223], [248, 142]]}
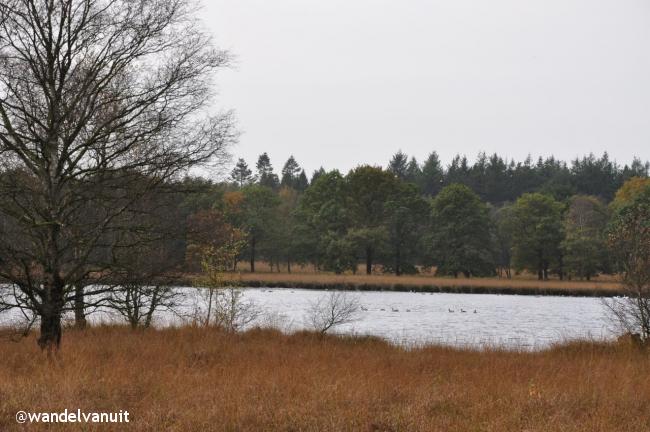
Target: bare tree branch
{"points": [[334, 309], [102, 102]]}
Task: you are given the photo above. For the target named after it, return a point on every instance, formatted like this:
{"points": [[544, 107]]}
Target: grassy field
{"points": [[194, 379], [425, 282]]}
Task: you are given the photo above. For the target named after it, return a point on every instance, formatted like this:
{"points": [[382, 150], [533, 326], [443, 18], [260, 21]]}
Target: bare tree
{"points": [[332, 310], [21, 322], [229, 310], [143, 284], [631, 314], [146, 263], [139, 303], [101, 102], [225, 304]]}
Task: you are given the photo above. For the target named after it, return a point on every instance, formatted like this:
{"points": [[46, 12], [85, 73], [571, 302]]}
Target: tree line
{"points": [[407, 217]]}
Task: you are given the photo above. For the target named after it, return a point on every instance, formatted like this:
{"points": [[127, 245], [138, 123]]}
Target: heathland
{"points": [[199, 379]]}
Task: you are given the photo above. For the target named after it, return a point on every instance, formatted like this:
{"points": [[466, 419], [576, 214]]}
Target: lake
{"points": [[509, 321], [408, 318]]}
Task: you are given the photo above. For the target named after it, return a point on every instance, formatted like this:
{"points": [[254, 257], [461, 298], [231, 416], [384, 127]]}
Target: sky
{"points": [[339, 83]]}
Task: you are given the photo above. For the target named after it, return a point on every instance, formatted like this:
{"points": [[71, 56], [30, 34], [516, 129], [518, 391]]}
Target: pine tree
{"points": [[319, 172], [413, 171], [432, 177], [398, 165], [290, 173], [241, 174], [265, 175], [459, 172], [302, 183]]}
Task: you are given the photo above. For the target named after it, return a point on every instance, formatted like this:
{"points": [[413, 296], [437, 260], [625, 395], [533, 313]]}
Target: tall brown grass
{"points": [[424, 281], [265, 267], [196, 379]]}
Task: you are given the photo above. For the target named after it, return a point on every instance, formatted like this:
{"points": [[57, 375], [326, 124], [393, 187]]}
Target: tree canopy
{"points": [[460, 233], [537, 233]]}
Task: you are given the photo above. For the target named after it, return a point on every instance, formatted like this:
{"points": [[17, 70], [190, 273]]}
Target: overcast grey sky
{"points": [[343, 82]]}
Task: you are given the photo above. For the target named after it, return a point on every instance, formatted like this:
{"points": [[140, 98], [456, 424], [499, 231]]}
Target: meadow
{"points": [[198, 379]]}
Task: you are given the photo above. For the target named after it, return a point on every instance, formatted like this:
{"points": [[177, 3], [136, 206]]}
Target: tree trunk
{"points": [[253, 255], [51, 311], [398, 262], [207, 318], [368, 260], [50, 338], [79, 311], [540, 274], [288, 266], [152, 307]]}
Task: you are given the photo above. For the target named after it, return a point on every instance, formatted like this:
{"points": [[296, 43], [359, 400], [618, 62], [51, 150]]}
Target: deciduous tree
{"points": [[322, 222], [100, 102], [629, 241], [585, 248], [406, 214], [537, 232], [259, 220], [460, 233], [368, 189]]}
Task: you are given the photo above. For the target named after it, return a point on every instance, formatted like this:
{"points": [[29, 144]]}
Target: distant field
{"points": [[197, 379], [519, 285]]}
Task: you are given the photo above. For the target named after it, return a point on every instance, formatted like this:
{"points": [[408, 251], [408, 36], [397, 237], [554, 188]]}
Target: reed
{"points": [[430, 283], [199, 379]]}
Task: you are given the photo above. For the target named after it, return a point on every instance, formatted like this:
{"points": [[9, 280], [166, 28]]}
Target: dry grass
{"points": [[194, 379], [265, 267], [426, 281]]}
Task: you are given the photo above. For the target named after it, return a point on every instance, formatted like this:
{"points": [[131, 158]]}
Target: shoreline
{"points": [[459, 289], [408, 283], [423, 284]]}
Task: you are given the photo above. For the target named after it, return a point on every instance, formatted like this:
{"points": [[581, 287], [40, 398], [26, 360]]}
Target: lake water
{"points": [[507, 321], [513, 321]]}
